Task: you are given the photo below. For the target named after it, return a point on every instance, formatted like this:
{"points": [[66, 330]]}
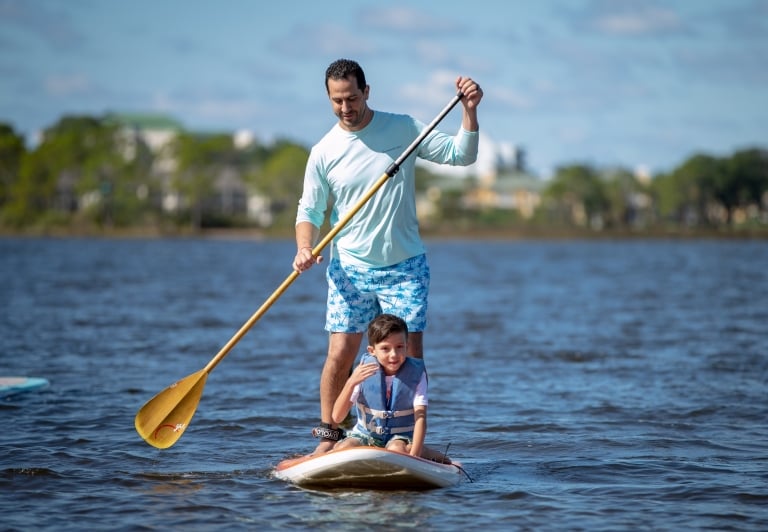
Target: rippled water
{"points": [[584, 385]]}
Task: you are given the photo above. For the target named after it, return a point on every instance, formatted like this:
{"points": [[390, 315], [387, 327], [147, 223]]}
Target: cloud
{"points": [[212, 104], [573, 133], [648, 21], [67, 84], [323, 40], [630, 18], [744, 21], [52, 26], [432, 52], [407, 20], [439, 86], [510, 98], [725, 66]]}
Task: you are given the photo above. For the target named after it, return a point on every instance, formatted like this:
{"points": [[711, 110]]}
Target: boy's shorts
{"points": [[356, 294], [367, 439]]}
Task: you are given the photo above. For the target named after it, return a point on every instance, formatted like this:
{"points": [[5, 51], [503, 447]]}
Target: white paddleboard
{"points": [[368, 468], [13, 385]]}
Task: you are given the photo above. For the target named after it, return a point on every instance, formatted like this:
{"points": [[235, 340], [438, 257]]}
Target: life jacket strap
{"points": [[386, 414], [388, 430]]}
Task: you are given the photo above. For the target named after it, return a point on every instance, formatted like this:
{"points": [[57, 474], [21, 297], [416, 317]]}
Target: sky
{"points": [[641, 84]]}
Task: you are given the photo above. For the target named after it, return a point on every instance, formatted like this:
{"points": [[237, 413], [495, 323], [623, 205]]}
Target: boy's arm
{"points": [[419, 430], [342, 405]]}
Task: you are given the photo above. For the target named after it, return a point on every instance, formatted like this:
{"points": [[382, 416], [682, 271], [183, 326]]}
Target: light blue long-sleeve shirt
{"points": [[344, 165]]}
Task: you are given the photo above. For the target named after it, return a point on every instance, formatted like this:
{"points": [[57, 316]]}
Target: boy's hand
{"points": [[363, 371]]}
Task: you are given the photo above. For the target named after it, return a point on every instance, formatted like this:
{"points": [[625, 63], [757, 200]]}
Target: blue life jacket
{"points": [[377, 417]]}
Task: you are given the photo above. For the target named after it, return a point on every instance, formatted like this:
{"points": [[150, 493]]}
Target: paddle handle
{"points": [[390, 172]]}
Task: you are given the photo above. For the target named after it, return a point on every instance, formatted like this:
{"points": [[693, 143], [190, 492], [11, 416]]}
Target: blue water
{"points": [[613, 385]]}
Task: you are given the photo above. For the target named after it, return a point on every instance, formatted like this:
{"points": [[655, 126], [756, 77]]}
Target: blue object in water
{"points": [[13, 385]]}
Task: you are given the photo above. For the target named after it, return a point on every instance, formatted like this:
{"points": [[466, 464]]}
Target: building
{"points": [[499, 180]]}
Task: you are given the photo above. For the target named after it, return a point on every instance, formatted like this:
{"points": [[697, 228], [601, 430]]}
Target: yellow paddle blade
{"points": [[165, 417]]}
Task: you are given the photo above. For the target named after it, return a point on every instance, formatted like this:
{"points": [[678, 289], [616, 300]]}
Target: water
{"points": [[584, 385]]}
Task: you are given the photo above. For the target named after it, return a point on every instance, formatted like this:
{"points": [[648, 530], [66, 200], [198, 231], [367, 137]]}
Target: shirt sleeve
{"points": [[355, 393], [314, 198], [458, 150], [420, 397]]}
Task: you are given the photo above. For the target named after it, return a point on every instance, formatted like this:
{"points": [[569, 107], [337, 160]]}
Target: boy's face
{"points": [[390, 352]]}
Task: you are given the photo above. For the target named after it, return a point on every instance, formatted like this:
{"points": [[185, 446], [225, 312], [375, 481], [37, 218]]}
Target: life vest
{"points": [[383, 419]]}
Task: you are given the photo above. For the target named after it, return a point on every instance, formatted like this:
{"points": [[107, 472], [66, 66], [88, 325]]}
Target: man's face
{"points": [[349, 103]]}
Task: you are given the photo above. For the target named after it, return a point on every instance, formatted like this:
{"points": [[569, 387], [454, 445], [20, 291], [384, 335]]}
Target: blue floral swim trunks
{"points": [[356, 294]]}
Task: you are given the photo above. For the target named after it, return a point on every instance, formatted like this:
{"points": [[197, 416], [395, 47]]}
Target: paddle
{"points": [[164, 418]]}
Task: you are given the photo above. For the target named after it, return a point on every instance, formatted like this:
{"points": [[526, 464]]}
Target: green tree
{"points": [[699, 178], [132, 187], [200, 158], [77, 155], [704, 187], [743, 180], [281, 179], [624, 194], [282, 176], [686, 195], [32, 194], [578, 196], [12, 150], [668, 197]]}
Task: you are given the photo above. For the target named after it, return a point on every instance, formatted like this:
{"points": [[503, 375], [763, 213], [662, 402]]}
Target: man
{"points": [[378, 262]]}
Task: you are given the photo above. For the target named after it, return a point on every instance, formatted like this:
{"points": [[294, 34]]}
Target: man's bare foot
{"points": [[323, 447]]}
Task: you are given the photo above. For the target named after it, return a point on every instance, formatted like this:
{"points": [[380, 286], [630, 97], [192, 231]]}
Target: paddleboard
{"points": [[368, 468], [13, 385]]}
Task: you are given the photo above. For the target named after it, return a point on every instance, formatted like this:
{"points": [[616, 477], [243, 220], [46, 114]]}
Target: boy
{"points": [[389, 390]]}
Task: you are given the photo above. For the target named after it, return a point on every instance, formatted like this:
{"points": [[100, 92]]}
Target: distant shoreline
{"points": [[427, 234]]}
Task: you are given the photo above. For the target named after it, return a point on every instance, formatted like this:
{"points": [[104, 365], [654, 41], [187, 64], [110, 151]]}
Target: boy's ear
{"points": [[370, 349]]}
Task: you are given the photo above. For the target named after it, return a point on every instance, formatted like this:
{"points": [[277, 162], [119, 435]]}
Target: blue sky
{"points": [[641, 84]]}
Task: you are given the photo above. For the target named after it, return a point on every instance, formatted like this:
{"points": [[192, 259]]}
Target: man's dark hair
{"points": [[343, 68]]}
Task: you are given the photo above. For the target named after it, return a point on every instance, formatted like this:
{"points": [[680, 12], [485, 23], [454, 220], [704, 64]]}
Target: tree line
{"points": [[705, 192], [95, 172]]}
